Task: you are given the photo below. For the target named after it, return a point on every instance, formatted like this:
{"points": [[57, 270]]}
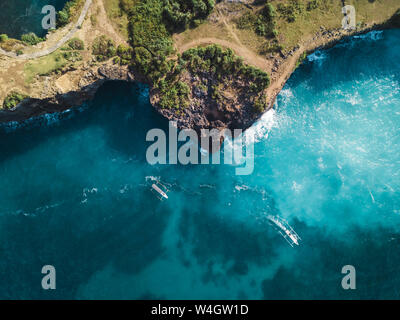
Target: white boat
{"points": [[285, 230], [160, 189]]}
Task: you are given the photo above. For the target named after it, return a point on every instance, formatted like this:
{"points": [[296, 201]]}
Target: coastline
{"points": [[94, 76], [321, 43]]}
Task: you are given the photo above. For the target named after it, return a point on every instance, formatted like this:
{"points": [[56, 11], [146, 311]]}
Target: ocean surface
{"points": [[23, 16], [75, 194]]}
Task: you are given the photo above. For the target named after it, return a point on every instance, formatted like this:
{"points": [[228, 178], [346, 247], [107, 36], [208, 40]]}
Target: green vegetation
{"points": [[270, 46], [294, 8], [3, 37], [124, 55], [10, 44], [13, 99], [70, 56], [151, 23], [117, 13], [93, 20], [223, 66], [67, 13], [260, 104], [301, 59], [291, 10], [31, 39], [263, 23], [174, 96], [53, 63], [75, 44], [313, 4], [150, 39], [103, 48], [181, 14]]}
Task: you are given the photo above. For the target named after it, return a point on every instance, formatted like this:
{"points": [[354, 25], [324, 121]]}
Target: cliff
{"points": [[77, 80]]}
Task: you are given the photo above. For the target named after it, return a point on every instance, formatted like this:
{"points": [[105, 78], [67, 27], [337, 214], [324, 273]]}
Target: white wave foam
{"points": [[208, 186], [124, 189], [285, 96], [242, 187], [47, 120], [317, 56], [36, 211], [373, 35], [260, 130], [152, 178]]}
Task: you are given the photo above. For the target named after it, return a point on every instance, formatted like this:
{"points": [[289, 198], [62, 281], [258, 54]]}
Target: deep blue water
{"points": [[74, 194], [23, 16]]}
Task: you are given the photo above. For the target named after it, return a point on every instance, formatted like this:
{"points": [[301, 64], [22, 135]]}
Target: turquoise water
{"points": [[22, 16], [74, 194]]}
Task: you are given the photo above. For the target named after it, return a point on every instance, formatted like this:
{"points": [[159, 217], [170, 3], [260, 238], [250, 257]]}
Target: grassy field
{"points": [[327, 14], [47, 65], [118, 17]]}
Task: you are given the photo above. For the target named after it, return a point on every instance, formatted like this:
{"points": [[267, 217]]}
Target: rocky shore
{"points": [[92, 79], [201, 112]]}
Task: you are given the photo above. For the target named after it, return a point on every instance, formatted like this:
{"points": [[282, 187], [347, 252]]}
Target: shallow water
{"points": [[23, 16], [74, 194]]}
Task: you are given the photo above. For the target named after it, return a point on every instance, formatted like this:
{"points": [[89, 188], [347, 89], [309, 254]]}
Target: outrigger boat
{"points": [[160, 189], [285, 230]]}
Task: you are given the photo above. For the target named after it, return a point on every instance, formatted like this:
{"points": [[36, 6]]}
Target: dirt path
{"points": [[59, 44], [229, 28], [107, 27], [249, 56], [236, 45]]}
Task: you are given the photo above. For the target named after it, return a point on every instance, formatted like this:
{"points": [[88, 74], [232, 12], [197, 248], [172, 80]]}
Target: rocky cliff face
{"points": [[232, 108], [90, 81]]}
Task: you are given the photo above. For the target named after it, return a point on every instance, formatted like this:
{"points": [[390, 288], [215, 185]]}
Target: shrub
{"points": [[64, 16], [222, 65], [269, 12], [124, 52], [31, 39], [301, 59], [175, 96], [313, 4], [3, 37], [117, 60], [263, 23], [103, 48], [76, 44], [246, 21], [13, 99], [179, 14], [268, 47], [260, 104], [291, 9], [151, 23]]}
